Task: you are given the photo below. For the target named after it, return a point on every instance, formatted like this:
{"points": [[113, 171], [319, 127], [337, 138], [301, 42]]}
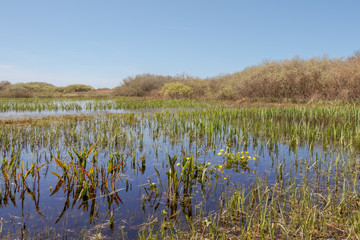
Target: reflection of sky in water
{"points": [[20, 115], [83, 111], [130, 213]]}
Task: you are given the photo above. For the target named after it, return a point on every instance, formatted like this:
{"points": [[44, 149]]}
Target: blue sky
{"points": [[101, 42]]}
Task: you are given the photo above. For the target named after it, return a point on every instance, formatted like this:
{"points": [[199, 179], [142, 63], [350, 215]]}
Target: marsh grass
{"points": [[270, 172], [91, 104]]}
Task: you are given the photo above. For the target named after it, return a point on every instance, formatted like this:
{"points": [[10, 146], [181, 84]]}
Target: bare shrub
{"points": [[140, 85], [226, 93], [295, 80], [4, 84], [19, 93], [200, 88]]}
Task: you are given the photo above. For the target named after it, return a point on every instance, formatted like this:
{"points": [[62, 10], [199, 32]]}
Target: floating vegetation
{"points": [[216, 172]]}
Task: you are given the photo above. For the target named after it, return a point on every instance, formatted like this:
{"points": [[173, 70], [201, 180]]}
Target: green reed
{"points": [[84, 104], [304, 197]]}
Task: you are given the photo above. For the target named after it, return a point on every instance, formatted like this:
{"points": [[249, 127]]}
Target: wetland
{"points": [[125, 168]]}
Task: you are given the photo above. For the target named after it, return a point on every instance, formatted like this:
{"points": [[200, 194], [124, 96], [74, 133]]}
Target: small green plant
{"points": [[237, 162]]}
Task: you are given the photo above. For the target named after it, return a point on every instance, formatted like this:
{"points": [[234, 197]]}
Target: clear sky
{"points": [[101, 42]]}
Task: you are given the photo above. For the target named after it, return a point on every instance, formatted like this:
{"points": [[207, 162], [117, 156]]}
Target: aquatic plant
{"points": [[283, 172]]}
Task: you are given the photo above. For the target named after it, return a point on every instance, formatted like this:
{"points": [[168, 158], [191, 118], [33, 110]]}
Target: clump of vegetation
{"points": [[226, 93], [294, 79], [26, 90], [75, 88], [4, 84], [299, 79], [32, 87], [41, 89], [177, 90], [237, 162], [200, 87], [142, 85], [145, 85]]}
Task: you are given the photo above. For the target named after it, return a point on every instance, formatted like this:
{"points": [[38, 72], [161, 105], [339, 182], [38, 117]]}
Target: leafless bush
{"points": [[142, 84], [295, 80]]}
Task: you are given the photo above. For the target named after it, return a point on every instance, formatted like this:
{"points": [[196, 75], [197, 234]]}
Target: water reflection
{"points": [[106, 170]]}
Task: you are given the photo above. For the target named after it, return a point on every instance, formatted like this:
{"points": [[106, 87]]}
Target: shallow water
{"points": [[130, 202]]}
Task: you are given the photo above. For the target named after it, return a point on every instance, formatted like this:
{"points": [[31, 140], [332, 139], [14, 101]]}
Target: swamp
{"points": [[126, 168]]}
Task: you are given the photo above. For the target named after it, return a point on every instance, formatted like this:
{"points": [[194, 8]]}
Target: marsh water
{"points": [[62, 108], [106, 175]]}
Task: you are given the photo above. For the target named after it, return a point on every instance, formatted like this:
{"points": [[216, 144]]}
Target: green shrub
{"points": [[31, 87], [75, 88], [176, 90], [26, 90]]}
